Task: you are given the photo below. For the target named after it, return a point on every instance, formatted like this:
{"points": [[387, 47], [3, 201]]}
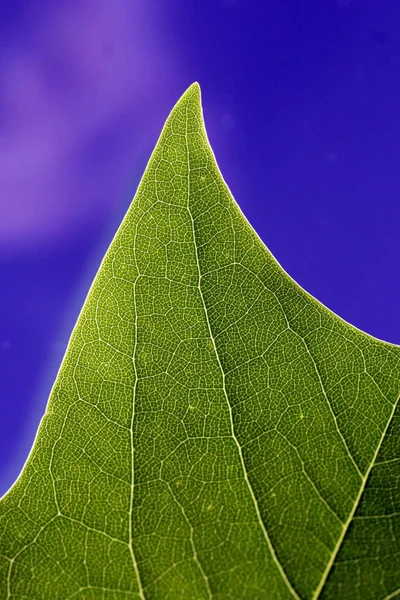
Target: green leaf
{"points": [[214, 431]]}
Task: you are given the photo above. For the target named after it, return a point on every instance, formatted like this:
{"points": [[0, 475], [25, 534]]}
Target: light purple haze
{"points": [[77, 75]]}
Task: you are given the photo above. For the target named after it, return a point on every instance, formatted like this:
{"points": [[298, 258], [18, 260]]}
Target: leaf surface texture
{"points": [[214, 432]]}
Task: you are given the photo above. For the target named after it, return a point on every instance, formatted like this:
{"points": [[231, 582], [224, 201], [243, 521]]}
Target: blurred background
{"points": [[301, 102]]}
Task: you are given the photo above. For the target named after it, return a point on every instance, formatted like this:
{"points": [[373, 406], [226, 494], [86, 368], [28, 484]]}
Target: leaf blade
{"points": [[212, 427]]}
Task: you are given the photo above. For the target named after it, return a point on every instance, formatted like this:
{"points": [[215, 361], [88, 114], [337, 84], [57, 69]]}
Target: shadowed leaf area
{"points": [[214, 432]]}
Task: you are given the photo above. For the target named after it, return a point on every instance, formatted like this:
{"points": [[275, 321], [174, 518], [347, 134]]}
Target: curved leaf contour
{"points": [[214, 432]]}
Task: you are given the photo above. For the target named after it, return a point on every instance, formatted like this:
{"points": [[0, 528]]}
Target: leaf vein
{"points": [[355, 506], [245, 474]]}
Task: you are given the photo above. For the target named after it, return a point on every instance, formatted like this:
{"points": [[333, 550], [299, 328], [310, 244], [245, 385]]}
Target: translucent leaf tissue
{"points": [[214, 432]]}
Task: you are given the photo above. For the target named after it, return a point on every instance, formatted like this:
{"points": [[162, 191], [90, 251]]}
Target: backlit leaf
{"points": [[214, 431]]}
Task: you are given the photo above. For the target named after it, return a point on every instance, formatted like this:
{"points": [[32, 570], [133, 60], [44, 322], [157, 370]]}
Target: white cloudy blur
{"points": [[79, 84]]}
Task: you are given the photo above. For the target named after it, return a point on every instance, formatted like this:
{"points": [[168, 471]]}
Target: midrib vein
{"points": [[233, 434], [135, 566], [354, 508]]}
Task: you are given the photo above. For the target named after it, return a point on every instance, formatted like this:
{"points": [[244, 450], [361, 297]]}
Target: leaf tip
{"points": [[193, 93]]}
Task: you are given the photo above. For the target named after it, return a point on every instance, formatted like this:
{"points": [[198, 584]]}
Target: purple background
{"points": [[301, 102]]}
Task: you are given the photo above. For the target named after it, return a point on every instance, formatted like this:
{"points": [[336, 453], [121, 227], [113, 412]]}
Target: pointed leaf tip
{"points": [[214, 431], [193, 93]]}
